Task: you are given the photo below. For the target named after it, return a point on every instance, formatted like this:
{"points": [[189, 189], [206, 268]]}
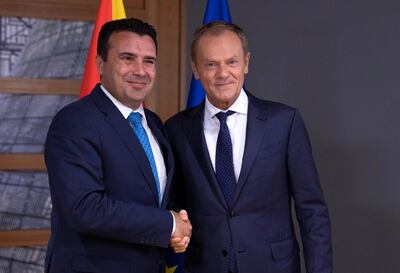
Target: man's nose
{"points": [[222, 71], [138, 68]]}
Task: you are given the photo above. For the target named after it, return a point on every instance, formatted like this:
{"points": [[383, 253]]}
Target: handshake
{"points": [[183, 231]]}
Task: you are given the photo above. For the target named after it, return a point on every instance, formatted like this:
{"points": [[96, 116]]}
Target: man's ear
{"points": [[195, 71], [99, 64], [246, 63]]}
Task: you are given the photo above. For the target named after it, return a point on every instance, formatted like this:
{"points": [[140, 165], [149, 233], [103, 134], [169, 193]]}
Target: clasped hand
{"points": [[183, 231]]}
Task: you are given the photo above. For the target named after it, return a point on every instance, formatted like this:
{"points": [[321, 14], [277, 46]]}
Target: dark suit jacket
{"points": [[277, 166], [105, 214]]}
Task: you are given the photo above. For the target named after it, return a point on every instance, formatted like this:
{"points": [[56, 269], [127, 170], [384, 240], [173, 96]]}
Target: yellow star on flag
{"points": [[170, 269]]}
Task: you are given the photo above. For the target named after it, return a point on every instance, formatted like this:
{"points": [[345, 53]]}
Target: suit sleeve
{"points": [[311, 210], [74, 163], [178, 190]]}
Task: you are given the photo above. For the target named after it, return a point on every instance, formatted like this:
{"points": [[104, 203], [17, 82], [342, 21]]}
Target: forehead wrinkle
{"points": [[129, 41], [220, 57]]}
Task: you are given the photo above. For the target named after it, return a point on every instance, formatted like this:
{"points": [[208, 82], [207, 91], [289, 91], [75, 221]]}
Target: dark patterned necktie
{"points": [[224, 159], [135, 120], [225, 172]]}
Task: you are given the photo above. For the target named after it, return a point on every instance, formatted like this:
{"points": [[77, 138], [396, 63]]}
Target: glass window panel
{"points": [[25, 119], [39, 48], [22, 259], [25, 200]]}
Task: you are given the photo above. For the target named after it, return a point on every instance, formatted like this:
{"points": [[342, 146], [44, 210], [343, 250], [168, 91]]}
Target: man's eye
{"points": [[233, 62], [210, 65], [127, 58], [150, 61]]}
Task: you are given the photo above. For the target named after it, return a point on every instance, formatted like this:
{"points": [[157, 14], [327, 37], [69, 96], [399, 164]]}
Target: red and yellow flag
{"points": [[108, 10]]}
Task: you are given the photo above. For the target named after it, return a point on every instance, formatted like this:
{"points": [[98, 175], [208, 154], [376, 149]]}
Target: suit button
{"points": [[232, 214], [224, 252]]}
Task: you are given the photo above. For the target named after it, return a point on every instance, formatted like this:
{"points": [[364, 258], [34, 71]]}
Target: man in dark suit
{"points": [[110, 166], [239, 163]]}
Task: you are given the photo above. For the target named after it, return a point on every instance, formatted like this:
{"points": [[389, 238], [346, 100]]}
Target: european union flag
{"points": [[216, 10]]}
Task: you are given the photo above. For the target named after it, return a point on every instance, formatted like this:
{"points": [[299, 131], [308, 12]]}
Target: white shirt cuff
{"points": [[173, 227]]}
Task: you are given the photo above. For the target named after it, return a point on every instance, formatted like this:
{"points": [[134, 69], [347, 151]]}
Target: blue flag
{"points": [[216, 10]]}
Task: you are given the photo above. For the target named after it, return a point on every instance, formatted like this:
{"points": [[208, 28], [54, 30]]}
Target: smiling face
{"points": [[130, 69], [220, 64]]}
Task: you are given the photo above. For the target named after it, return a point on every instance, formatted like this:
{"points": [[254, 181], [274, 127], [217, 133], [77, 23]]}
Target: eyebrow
{"points": [[147, 57], [218, 61], [127, 53]]}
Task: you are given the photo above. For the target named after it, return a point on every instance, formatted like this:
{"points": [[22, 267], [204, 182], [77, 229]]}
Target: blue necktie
{"points": [[135, 120], [224, 159], [225, 172]]}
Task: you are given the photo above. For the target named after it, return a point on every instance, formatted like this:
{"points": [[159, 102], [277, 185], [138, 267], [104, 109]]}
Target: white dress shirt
{"points": [[236, 122], [155, 147]]}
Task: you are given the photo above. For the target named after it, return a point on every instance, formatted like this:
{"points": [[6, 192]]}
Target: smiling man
{"points": [[110, 166], [240, 164]]}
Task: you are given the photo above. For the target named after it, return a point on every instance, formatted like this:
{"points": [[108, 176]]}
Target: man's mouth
{"points": [[137, 84], [222, 84], [135, 80]]}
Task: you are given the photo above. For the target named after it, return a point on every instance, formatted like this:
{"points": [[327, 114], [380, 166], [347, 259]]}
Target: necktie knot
{"points": [[135, 118], [222, 116]]}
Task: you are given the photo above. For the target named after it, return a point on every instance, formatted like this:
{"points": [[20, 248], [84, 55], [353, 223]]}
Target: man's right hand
{"points": [[183, 231]]}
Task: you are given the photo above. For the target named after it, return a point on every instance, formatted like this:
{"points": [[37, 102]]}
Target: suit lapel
{"points": [[198, 144], [127, 135], [255, 131]]}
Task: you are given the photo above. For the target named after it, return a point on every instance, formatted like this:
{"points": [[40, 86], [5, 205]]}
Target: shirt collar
{"points": [[125, 110], [240, 106]]}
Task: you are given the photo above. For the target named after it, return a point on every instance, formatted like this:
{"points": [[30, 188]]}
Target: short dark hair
{"points": [[127, 24], [217, 28]]}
